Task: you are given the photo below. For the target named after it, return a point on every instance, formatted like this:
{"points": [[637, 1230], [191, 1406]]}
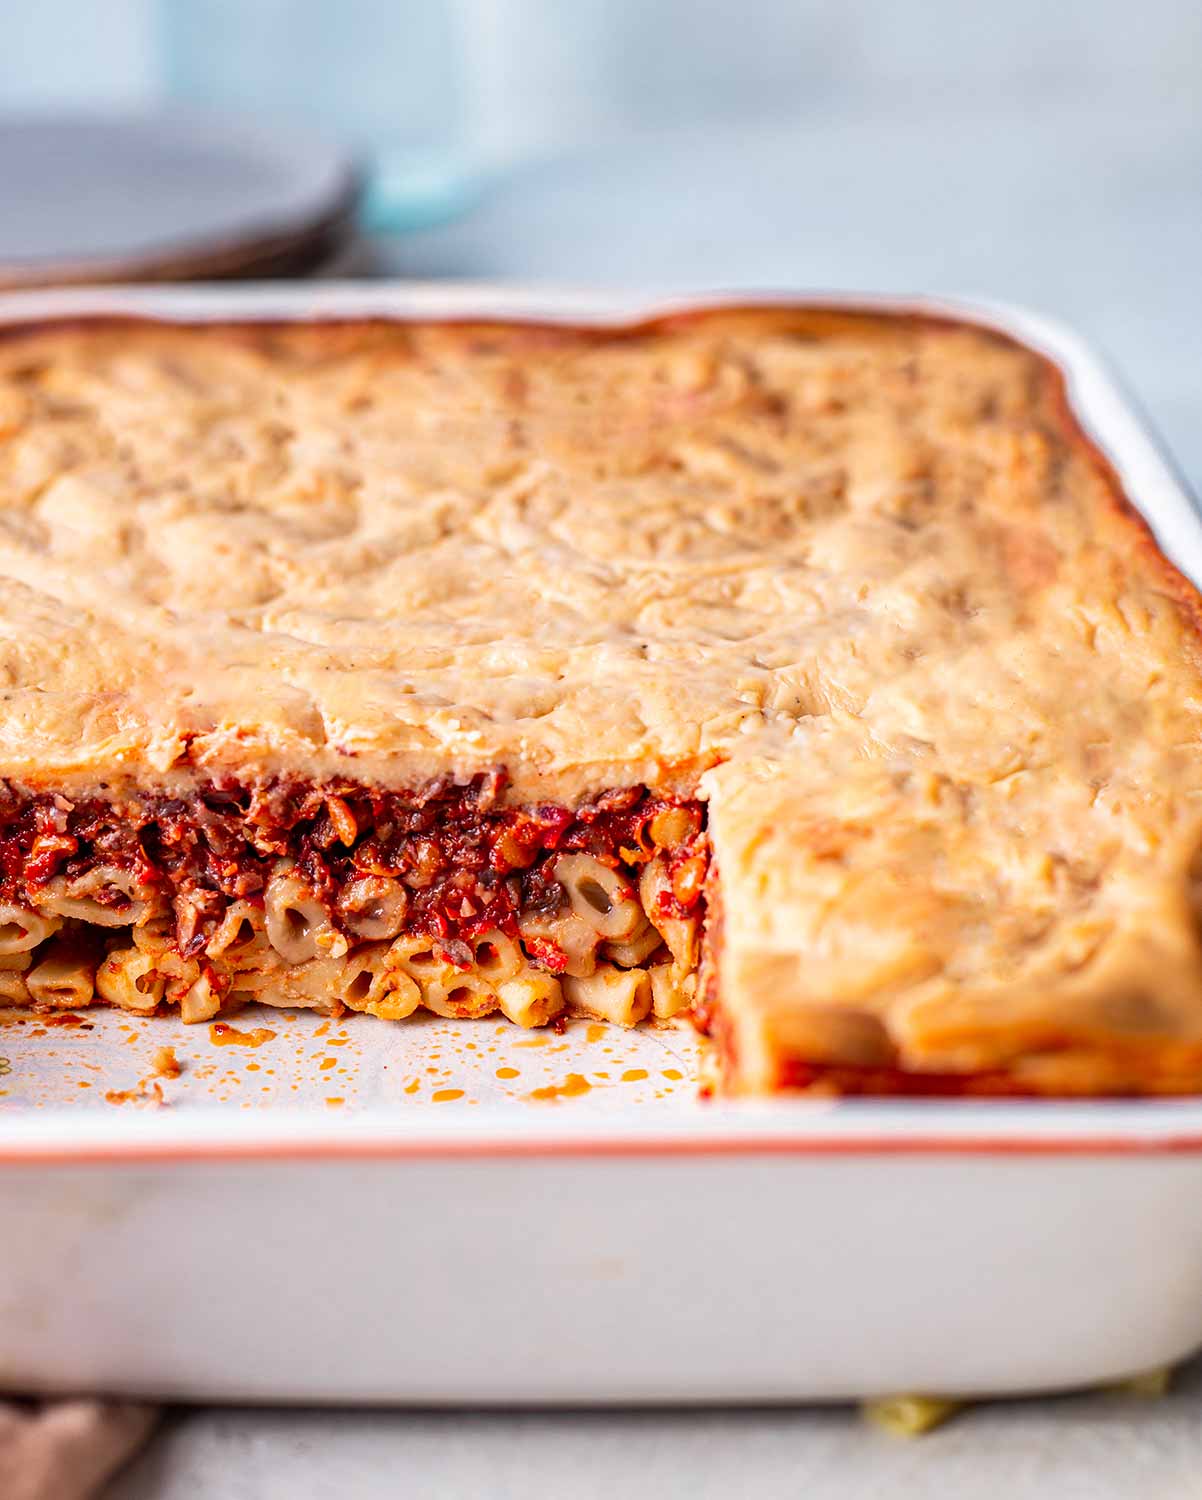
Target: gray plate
{"points": [[165, 197]]}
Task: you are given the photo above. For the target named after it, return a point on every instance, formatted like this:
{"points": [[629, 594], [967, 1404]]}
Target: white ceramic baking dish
{"points": [[465, 1213]]}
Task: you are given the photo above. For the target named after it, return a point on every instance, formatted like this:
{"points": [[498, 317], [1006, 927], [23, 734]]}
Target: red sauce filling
{"points": [[469, 862], [842, 1079]]}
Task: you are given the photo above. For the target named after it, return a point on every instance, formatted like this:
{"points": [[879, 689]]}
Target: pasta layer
{"points": [[334, 894]]}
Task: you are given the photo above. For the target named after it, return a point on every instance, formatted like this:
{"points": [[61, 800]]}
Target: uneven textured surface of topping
{"points": [[595, 559], [858, 580], [589, 559]]}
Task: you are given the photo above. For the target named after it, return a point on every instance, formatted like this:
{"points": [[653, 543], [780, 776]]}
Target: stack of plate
{"points": [[166, 198]]}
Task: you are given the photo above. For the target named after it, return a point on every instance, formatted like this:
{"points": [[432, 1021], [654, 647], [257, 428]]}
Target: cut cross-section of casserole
{"points": [[803, 668]]}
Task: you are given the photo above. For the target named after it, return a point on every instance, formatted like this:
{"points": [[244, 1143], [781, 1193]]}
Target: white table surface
{"points": [[1093, 216], [1098, 1447]]}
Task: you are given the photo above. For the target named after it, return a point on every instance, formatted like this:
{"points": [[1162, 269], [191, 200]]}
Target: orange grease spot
{"points": [[572, 1086], [440, 1096], [595, 1032], [144, 1091], [673, 1073], [223, 1035], [326, 1064], [634, 1075], [507, 1073], [335, 1101], [412, 1088]]}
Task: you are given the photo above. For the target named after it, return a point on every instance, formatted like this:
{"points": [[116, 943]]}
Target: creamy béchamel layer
{"points": [[802, 667]]}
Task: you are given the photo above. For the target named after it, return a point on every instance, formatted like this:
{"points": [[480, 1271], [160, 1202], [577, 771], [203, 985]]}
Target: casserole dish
{"points": [[735, 1239]]}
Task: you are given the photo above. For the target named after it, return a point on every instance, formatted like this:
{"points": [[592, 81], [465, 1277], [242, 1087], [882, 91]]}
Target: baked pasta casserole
{"points": [[802, 670]]}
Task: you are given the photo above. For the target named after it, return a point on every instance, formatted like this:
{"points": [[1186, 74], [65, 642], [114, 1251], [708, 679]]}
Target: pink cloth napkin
{"points": [[65, 1450]]}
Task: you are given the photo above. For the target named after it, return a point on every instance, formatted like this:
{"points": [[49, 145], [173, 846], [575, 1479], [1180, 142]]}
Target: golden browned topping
{"points": [[588, 558]]}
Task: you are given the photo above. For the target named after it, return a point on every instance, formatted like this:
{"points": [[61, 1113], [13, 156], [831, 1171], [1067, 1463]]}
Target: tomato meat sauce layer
{"points": [[467, 862]]}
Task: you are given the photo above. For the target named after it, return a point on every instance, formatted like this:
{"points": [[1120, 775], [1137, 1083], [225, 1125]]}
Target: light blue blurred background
{"points": [[613, 67]]}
